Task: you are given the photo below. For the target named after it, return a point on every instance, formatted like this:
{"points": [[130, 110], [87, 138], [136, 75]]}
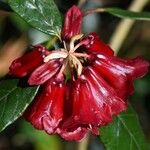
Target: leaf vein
{"points": [[14, 88], [131, 135]]}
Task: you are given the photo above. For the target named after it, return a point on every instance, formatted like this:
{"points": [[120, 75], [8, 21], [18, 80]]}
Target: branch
{"points": [[81, 3], [83, 145], [125, 25]]}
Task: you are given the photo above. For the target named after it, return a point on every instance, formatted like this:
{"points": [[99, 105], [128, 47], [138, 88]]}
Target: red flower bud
{"points": [[72, 23]]}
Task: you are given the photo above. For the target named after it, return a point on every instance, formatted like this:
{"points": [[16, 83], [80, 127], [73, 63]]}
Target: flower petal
{"points": [[115, 78], [94, 44], [119, 73], [76, 134], [44, 72], [134, 68], [46, 112], [72, 23], [28, 62], [86, 110], [94, 103], [103, 94]]}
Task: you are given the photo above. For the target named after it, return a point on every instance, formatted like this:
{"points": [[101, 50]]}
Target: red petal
{"points": [[76, 134], [72, 23], [139, 65], [95, 45], [134, 68], [115, 78], [104, 95], [46, 112], [119, 73], [94, 103], [28, 62], [86, 110], [44, 72]]}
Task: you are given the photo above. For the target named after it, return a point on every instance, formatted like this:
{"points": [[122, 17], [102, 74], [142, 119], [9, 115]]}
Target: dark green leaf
{"points": [[128, 14], [41, 14], [14, 99], [124, 133]]}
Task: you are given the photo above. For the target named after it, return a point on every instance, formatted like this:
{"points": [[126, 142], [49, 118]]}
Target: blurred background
{"points": [[16, 35]]}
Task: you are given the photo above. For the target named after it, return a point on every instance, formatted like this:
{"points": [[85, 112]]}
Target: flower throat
{"points": [[73, 60]]}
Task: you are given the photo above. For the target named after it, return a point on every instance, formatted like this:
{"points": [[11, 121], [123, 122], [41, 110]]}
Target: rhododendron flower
{"points": [[83, 85]]}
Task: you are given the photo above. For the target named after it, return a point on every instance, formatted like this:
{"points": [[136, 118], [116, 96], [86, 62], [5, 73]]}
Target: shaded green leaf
{"points": [[41, 14], [128, 14], [124, 133], [14, 99]]}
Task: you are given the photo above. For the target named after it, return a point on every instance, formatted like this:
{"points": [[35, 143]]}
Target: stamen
{"points": [[69, 51], [62, 69], [81, 55], [56, 54], [83, 42], [65, 45], [73, 39], [77, 64]]}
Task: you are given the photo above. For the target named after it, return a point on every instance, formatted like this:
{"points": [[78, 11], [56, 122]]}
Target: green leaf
{"points": [[41, 14], [128, 14], [124, 133], [14, 99]]}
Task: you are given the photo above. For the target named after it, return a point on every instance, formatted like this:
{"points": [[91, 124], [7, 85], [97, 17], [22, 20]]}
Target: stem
{"points": [[123, 28], [91, 11], [81, 3], [83, 145], [51, 42]]}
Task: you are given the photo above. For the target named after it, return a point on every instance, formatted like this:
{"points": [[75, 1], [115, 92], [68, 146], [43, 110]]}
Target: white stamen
{"points": [[56, 54], [81, 55], [73, 39], [77, 64], [65, 45]]}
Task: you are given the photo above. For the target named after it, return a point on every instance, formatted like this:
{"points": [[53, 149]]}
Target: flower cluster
{"points": [[82, 83]]}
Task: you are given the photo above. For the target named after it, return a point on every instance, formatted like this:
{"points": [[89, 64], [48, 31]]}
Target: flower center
{"points": [[71, 58]]}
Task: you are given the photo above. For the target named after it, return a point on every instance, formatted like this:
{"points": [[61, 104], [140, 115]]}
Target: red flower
{"points": [[83, 83]]}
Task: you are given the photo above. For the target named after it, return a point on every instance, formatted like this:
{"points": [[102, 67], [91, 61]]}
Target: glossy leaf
{"points": [[14, 99], [128, 14], [124, 133], [41, 14]]}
